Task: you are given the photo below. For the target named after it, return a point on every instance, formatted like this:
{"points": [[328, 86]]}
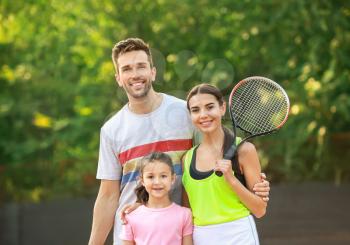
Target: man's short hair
{"points": [[128, 45]]}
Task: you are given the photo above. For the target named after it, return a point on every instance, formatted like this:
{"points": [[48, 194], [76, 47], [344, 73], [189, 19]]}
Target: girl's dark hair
{"points": [[141, 193], [205, 88]]}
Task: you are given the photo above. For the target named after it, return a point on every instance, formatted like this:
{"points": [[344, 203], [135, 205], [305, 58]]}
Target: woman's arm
{"points": [[128, 208], [185, 201], [250, 165]]}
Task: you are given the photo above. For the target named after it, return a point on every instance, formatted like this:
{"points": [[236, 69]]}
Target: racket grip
{"points": [[228, 156], [218, 173]]}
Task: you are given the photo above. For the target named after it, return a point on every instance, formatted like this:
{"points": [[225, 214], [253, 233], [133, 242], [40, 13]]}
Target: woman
{"points": [[221, 206]]}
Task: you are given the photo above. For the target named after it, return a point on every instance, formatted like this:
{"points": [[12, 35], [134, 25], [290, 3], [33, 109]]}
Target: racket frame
{"points": [[230, 154]]}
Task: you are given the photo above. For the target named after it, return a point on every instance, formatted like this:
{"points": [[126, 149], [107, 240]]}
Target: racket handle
{"points": [[218, 173], [228, 156]]}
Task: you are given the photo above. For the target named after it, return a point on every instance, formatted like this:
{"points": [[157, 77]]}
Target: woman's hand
{"points": [[261, 189], [128, 208], [225, 166]]}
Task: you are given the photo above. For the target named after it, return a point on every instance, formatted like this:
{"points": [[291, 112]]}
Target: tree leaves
{"points": [[57, 83]]}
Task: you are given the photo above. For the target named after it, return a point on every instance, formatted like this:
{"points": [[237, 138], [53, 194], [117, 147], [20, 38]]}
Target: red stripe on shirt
{"points": [[162, 146]]}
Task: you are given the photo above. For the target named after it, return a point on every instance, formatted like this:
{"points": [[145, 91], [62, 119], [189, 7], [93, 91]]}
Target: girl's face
{"points": [[206, 112], [157, 179]]}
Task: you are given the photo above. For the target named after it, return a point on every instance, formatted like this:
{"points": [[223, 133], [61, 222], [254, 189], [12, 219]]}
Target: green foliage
{"points": [[57, 80]]}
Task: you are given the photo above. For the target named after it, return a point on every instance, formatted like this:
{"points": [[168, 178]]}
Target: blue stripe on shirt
{"points": [[132, 176]]}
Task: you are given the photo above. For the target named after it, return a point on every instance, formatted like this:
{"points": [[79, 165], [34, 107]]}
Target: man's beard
{"points": [[144, 93]]}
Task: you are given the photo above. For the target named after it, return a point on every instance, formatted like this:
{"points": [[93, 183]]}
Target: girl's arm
{"points": [[187, 229], [249, 162], [187, 240]]}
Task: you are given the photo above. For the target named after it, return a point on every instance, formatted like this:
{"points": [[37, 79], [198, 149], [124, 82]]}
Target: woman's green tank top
{"points": [[212, 199]]}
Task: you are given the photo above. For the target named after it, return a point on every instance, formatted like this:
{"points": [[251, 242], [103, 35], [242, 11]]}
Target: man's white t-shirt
{"points": [[127, 137]]}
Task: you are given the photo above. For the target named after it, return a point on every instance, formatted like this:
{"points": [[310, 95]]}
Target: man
{"points": [[150, 121]]}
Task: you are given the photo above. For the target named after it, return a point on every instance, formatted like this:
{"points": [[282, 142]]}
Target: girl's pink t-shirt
{"points": [[163, 226]]}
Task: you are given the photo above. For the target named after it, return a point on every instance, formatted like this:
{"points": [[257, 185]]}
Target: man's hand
{"points": [[262, 189], [128, 208]]}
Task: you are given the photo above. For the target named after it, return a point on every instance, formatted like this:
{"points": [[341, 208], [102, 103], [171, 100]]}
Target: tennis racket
{"points": [[258, 106]]}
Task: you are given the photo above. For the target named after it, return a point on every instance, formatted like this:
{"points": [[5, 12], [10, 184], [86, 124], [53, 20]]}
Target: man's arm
{"points": [[104, 211], [262, 188], [124, 242]]}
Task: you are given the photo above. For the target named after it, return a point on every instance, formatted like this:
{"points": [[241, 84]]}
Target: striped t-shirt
{"points": [[127, 137]]}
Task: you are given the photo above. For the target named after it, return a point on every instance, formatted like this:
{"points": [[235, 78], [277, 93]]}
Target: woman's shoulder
{"points": [[193, 147], [246, 148], [190, 151], [248, 156]]}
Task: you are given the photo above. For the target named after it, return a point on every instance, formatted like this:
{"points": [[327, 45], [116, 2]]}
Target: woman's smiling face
{"points": [[206, 112]]}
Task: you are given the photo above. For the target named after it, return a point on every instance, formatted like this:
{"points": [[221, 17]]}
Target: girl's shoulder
{"points": [[181, 209], [183, 215], [139, 211]]}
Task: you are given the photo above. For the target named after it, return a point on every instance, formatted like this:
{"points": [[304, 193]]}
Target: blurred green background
{"points": [[57, 83]]}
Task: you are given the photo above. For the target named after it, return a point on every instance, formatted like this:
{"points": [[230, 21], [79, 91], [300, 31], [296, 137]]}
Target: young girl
{"points": [[158, 220], [221, 206]]}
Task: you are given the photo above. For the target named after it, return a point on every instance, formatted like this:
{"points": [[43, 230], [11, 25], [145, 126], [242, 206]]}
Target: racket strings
{"points": [[259, 106], [250, 118], [259, 118]]}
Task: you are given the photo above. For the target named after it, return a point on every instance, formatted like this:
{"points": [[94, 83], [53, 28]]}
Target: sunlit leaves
{"points": [[57, 83], [42, 121]]}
